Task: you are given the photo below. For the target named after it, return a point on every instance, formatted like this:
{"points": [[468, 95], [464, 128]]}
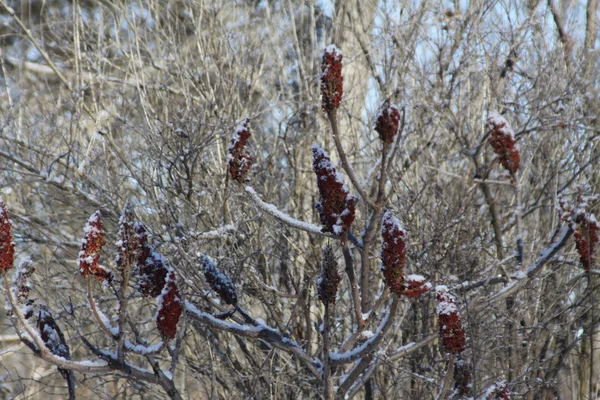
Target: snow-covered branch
{"points": [[259, 331], [283, 217]]}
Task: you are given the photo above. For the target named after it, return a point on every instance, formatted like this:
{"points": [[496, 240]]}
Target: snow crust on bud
{"points": [[7, 246], [238, 159], [337, 206], [332, 81], [329, 277], [502, 139]]}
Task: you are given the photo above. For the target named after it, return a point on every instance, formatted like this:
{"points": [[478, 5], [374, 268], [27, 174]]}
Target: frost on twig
{"points": [[281, 216]]}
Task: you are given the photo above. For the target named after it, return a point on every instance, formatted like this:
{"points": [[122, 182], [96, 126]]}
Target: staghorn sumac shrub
{"points": [[388, 121], [239, 160], [91, 246]]}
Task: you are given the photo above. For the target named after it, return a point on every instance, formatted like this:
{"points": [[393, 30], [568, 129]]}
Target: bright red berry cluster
{"points": [[170, 307]]}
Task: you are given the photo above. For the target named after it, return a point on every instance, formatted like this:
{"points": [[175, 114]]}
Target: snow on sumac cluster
{"points": [[91, 246], [450, 325], [126, 240], [498, 391], [585, 225], [502, 139], [156, 278], [239, 159], [337, 205], [7, 247], [329, 278], [393, 253], [388, 121], [218, 281], [170, 307], [331, 78]]}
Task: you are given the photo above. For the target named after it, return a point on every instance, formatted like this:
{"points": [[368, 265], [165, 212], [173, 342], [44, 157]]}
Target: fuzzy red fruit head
{"points": [[502, 139], [393, 253], [239, 159], [91, 246], [337, 205], [170, 307], [416, 285], [7, 247], [332, 81], [388, 121], [451, 331]]}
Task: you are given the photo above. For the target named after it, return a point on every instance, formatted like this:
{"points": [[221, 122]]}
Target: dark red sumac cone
{"points": [[329, 278], [388, 121], [239, 160], [498, 391], [463, 385], [151, 266], [415, 285], [502, 139], [219, 282], [337, 205], [332, 81], [170, 307], [586, 239], [91, 246], [451, 331], [7, 247], [126, 239], [393, 253]]}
